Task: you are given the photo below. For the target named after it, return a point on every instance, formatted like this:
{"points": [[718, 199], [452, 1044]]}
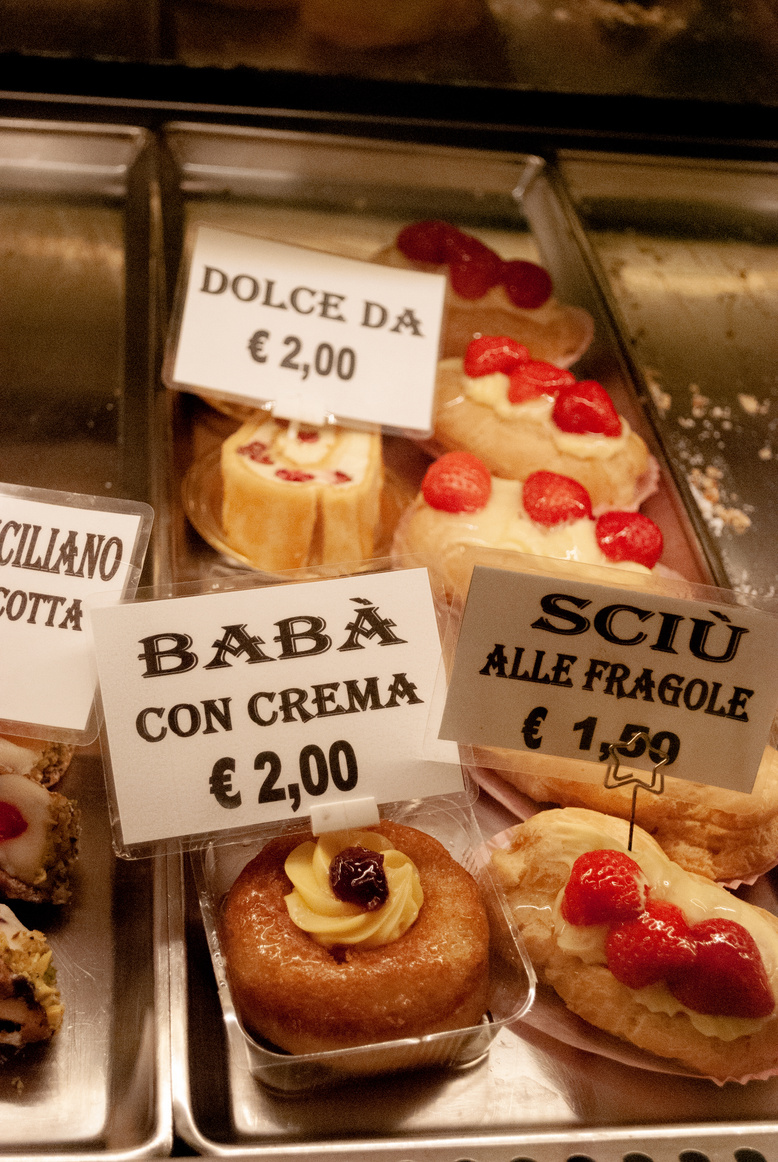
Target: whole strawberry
{"points": [[552, 499], [473, 268], [605, 887], [629, 536], [535, 378], [457, 482], [488, 354], [585, 408], [645, 950], [426, 241], [727, 977], [526, 284]]}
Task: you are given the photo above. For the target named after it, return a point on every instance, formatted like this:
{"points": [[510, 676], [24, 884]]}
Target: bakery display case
{"points": [[629, 149]]}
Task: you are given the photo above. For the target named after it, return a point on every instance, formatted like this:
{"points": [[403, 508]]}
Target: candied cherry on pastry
{"points": [[526, 284], [727, 977], [645, 950], [629, 536], [586, 408], [535, 378], [457, 482], [487, 354], [605, 887], [552, 499], [357, 876], [12, 822]]}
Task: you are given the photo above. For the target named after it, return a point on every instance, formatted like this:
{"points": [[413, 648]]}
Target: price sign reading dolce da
{"points": [[231, 709], [312, 332], [565, 668]]}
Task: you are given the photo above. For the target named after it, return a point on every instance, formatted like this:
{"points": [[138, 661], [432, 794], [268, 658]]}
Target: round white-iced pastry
{"points": [[296, 495], [576, 958], [516, 439], [436, 529], [38, 841], [30, 1005]]}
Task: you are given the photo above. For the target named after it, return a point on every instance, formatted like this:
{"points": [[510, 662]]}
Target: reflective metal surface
{"points": [[688, 253], [73, 220]]}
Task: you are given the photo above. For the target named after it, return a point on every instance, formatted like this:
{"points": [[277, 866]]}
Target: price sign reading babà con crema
{"points": [[313, 333], [566, 668], [235, 708]]}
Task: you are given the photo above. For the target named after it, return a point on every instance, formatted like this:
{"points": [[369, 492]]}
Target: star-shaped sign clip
{"points": [[653, 782]]}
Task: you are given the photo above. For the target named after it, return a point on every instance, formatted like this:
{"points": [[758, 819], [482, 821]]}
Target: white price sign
{"points": [[312, 332], [236, 708], [565, 668], [56, 551]]}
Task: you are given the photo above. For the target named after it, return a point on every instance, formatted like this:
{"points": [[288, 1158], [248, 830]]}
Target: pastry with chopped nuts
{"points": [[30, 1005]]}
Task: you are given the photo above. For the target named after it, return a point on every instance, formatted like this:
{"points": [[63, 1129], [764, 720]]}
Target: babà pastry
{"points": [[362, 937], [725, 835], [38, 841], [660, 957], [462, 507], [30, 1005], [519, 415], [45, 762], [486, 295], [296, 495]]}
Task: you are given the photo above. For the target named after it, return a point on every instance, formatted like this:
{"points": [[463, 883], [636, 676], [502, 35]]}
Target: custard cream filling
{"points": [[335, 450], [698, 899], [314, 907], [492, 391]]}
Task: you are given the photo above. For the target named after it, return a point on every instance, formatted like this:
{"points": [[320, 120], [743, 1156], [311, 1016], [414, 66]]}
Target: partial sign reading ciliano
{"points": [[312, 332], [566, 668], [53, 556], [237, 708]]}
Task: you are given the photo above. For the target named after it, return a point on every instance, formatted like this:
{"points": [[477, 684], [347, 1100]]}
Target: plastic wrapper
{"points": [[511, 980]]}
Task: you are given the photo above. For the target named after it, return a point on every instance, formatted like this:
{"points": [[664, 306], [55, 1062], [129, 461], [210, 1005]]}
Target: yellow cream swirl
{"points": [[314, 907]]}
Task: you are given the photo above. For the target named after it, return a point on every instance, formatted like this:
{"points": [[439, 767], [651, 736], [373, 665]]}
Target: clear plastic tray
{"points": [[511, 975]]}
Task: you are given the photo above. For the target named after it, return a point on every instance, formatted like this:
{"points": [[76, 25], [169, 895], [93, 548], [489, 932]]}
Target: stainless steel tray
{"points": [[688, 254], [533, 1097], [74, 215], [352, 196]]}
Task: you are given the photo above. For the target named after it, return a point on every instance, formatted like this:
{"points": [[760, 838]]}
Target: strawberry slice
{"points": [[647, 949], [535, 378], [629, 536], [586, 408], [426, 241], [526, 284], [457, 482], [605, 887], [551, 499], [487, 354], [727, 977], [473, 268]]}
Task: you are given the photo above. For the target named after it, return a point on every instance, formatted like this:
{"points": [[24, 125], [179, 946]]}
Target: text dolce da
{"points": [[305, 300], [303, 636], [621, 624]]}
